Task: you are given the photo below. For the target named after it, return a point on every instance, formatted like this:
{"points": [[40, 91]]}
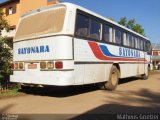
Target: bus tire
{"points": [[112, 83]]}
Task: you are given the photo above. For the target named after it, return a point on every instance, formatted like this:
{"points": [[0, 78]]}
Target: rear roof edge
{"points": [[83, 9], [42, 9]]}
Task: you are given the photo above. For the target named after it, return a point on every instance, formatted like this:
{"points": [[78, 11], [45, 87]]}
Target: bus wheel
{"points": [[112, 83]]}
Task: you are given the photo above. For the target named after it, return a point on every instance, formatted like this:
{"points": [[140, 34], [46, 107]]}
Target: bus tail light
{"points": [[50, 65], [59, 65], [12, 66], [16, 66], [21, 65], [43, 65]]}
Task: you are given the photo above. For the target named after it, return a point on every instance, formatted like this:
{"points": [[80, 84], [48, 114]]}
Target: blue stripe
{"points": [[106, 52]]}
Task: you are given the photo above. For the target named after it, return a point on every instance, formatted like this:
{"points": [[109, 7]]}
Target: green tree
{"points": [[131, 24], [111, 19], [123, 21], [138, 28], [5, 51], [3, 22]]}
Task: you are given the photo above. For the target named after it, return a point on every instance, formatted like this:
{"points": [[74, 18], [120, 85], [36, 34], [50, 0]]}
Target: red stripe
{"points": [[98, 53]]}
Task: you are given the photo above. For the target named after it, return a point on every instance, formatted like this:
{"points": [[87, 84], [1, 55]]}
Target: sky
{"points": [[145, 12]]}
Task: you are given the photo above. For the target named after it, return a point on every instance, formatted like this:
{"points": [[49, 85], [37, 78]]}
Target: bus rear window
{"points": [[42, 23]]}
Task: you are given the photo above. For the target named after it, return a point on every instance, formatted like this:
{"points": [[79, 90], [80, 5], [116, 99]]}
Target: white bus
{"points": [[65, 45]]}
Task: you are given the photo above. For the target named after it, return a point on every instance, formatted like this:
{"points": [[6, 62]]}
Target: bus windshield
{"points": [[42, 23]]}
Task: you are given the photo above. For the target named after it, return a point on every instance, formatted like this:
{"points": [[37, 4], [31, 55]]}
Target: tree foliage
{"points": [[5, 59], [5, 50], [123, 21], [131, 24], [111, 19], [3, 22]]}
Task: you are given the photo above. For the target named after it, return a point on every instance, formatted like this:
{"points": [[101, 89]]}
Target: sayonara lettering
{"points": [[35, 49], [126, 52]]}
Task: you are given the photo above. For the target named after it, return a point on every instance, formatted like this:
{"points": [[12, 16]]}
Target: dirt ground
{"points": [[133, 95]]}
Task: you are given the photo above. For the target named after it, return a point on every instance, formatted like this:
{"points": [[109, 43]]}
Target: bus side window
{"points": [[129, 37], [149, 48], [136, 43], [95, 29], [128, 40], [133, 43], [118, 36], [125, 39], [141, 44], [145, 45], [107, 33], [82, 25], [82, 32]]}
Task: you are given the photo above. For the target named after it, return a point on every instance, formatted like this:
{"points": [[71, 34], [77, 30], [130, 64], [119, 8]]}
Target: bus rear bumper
{"points": [[55, 78]]}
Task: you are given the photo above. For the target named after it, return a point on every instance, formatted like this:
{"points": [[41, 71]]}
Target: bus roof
{"points": [[75, 7]]}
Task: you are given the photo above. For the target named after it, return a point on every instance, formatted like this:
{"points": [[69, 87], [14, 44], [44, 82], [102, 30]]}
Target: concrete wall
{"points": [[28, 5], [13, 18], [24, 6]]}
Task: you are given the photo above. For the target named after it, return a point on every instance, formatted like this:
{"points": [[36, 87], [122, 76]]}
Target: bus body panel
{"points": [[87, 74], [90, 73], [60, 48], [95, 73], [94, 69], [56, 47], [79, 74], [84, 54], [57, 78], [130, 70]]}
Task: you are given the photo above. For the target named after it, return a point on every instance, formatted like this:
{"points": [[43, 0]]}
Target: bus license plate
{"points": [[32, 66]]}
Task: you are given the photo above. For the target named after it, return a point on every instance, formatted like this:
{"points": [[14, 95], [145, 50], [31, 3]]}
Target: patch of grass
{"points": [[11, 92], [5, 93]]}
